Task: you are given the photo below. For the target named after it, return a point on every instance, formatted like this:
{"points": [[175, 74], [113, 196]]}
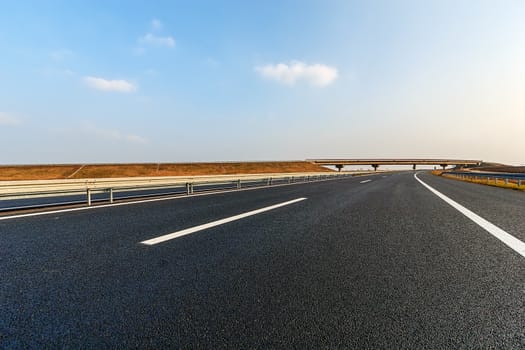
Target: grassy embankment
{"points": [[512, 184], [89, 171]]}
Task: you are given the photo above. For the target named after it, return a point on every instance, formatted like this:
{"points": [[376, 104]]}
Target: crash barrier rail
{"points": [[488, 178], [12, 190]]}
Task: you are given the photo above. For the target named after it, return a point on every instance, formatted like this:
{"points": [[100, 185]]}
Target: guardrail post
{"points": [[292, 179], [239, 184], [111, 195], [519, 183], [269, 183], [88, 193], [189, 188]]}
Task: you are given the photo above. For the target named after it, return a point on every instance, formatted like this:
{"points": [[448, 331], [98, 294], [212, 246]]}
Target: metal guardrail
{"points": [[12, 190], [518, 178]]}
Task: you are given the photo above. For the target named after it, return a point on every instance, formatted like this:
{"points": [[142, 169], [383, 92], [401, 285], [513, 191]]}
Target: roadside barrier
{"points": [[12, 190], [508, 180]]}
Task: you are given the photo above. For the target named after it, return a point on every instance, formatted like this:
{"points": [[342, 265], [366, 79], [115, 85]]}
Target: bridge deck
{"points": [[395, 161]]}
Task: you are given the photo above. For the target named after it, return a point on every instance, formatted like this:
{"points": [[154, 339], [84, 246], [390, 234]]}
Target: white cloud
{"points": [[315, 74], [61, 55], [211, 62], [154, 40], [8, 120], [139, 51], [54, 72], [135, 139], [112, 135], [150, 72], [110, 85], [156, 24]]}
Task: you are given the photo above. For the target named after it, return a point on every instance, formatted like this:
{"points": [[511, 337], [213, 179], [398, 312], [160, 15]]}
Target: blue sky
{"points": [[125, 81]]}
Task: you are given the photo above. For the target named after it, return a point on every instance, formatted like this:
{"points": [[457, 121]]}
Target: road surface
{"points": [[351, 263]]}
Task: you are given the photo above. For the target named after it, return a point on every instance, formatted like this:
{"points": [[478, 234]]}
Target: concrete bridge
{"points": [[375, 163]]}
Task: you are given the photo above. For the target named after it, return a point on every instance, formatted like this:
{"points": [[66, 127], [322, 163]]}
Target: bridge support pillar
{"points": [[443, 166], [339, 167], [375, 166]]}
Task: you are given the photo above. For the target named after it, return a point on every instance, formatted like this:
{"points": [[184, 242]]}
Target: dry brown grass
{"points": [[47, 172], [36, 172], [512, 184]]}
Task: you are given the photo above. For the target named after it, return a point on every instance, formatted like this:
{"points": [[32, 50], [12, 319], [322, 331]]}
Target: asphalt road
{"points": [[378, 264]]}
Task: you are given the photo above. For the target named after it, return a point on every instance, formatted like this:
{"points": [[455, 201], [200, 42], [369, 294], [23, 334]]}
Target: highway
{"points": [[376, 262]]}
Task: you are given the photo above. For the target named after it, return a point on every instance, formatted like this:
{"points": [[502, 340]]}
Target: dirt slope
{"points": [[79, 171]]}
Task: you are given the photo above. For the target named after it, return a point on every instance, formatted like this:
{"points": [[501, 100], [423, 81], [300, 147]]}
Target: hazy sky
{"points": [[149, 81]]}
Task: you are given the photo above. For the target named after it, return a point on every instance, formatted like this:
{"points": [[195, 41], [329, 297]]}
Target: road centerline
{"points": [[511, 241], [194, 229]]}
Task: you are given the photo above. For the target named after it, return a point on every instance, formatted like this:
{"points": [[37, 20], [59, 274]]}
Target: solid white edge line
{"points": [[511, 241], [194, 229], [365, 181]]}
